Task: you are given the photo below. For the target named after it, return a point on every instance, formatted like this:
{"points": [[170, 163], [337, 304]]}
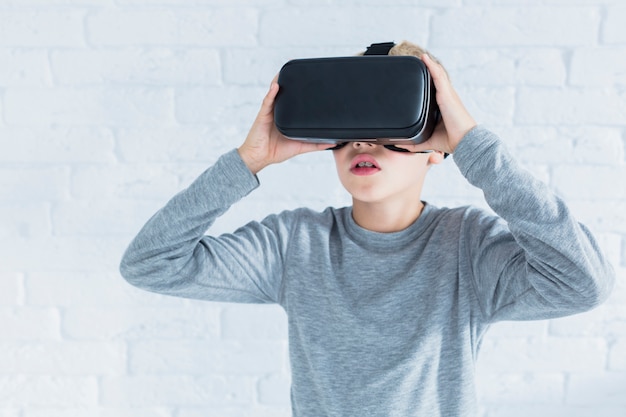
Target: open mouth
{"points": [[364, 164]]}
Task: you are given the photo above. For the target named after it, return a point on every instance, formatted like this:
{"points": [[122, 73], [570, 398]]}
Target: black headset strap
{"points": [[379, 48]]}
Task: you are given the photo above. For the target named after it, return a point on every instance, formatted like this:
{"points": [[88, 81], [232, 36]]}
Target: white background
{"points": [[108, 108]]}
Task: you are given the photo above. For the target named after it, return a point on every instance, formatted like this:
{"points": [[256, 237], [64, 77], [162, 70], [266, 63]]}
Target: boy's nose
{"points": [[362, 144]]}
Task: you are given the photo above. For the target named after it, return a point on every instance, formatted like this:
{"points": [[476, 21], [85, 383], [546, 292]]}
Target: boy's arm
{"points": [[544, 264], [171, 255]]}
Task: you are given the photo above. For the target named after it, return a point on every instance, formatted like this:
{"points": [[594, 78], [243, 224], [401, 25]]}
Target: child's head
{"points": [[406, 48], [393, 174]]}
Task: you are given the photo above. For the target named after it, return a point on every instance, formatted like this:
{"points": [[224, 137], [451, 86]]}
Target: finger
{"points": [[267, 106], [435, 68], [437, 72]]}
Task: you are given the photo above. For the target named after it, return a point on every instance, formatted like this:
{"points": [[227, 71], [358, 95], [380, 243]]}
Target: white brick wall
{"points": [[109, 107]]}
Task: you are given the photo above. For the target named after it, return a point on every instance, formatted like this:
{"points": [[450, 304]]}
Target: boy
{"points": [[387, 300]]}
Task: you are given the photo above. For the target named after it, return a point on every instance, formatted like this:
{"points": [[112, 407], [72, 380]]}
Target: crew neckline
{"points": [[385, 241]]}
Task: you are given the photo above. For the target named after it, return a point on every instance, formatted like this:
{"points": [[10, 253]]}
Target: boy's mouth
{"points": [[364, 164]]}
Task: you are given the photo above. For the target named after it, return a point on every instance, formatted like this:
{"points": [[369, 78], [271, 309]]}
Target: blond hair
{"points": [[406, 48]]}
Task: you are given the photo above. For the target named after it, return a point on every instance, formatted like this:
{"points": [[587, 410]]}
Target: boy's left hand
{"points": [[455, 119]]}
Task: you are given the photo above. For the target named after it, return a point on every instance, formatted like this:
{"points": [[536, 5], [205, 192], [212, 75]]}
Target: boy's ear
{"points": [[435, 158]]}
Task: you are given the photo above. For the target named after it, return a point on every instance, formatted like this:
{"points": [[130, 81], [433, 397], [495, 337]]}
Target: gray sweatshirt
{"points": [[381, 324]]}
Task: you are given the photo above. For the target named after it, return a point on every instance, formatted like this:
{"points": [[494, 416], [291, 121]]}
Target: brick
{"points": [[519, 389], [505, 26], [64, 253], [11, 288], [136, 66], [421, 3], [259, 65], [141, 323], [618, 296], [541, 67], [608, 320], [97, 106], [34, 28], [203, 2], [76, 218], [25, 220], [543, 355], [179, 144], [29, 3], [617, 356], [570, 107], [609, 244], [518, 329], [225, 105], [24, 68], [72, 145], [2, 122], [503, 66], [206, 357], [608, 217], [63, 358], [212, 27], [141, 182], [590, 182], [543, 2], [477, 67], [613, 30], [489, 106], [539, 144], [151, 391], [595, 145], [274, 390], [253, 322], [57, 391], [26, 323], [248, 411], [342, 25], [27, 184], [525, 410], [591, 67], [90, 288], [597, 388], [98, 412]]}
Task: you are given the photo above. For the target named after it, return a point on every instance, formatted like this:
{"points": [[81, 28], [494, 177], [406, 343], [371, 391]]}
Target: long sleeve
{"points": [[536, 261], [171, 255]]}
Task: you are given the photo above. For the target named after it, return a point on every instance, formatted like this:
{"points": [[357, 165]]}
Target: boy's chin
{"points": [[367, 198]]}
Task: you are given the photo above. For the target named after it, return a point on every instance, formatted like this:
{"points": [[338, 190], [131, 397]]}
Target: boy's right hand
{"points": [[265, 145]]}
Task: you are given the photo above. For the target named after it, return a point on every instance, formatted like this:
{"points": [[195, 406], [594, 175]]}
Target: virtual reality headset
{"points": [[376, 97]]}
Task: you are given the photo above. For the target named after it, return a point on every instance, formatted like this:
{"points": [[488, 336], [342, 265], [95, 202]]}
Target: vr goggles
{"points": [[376, 98]]}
